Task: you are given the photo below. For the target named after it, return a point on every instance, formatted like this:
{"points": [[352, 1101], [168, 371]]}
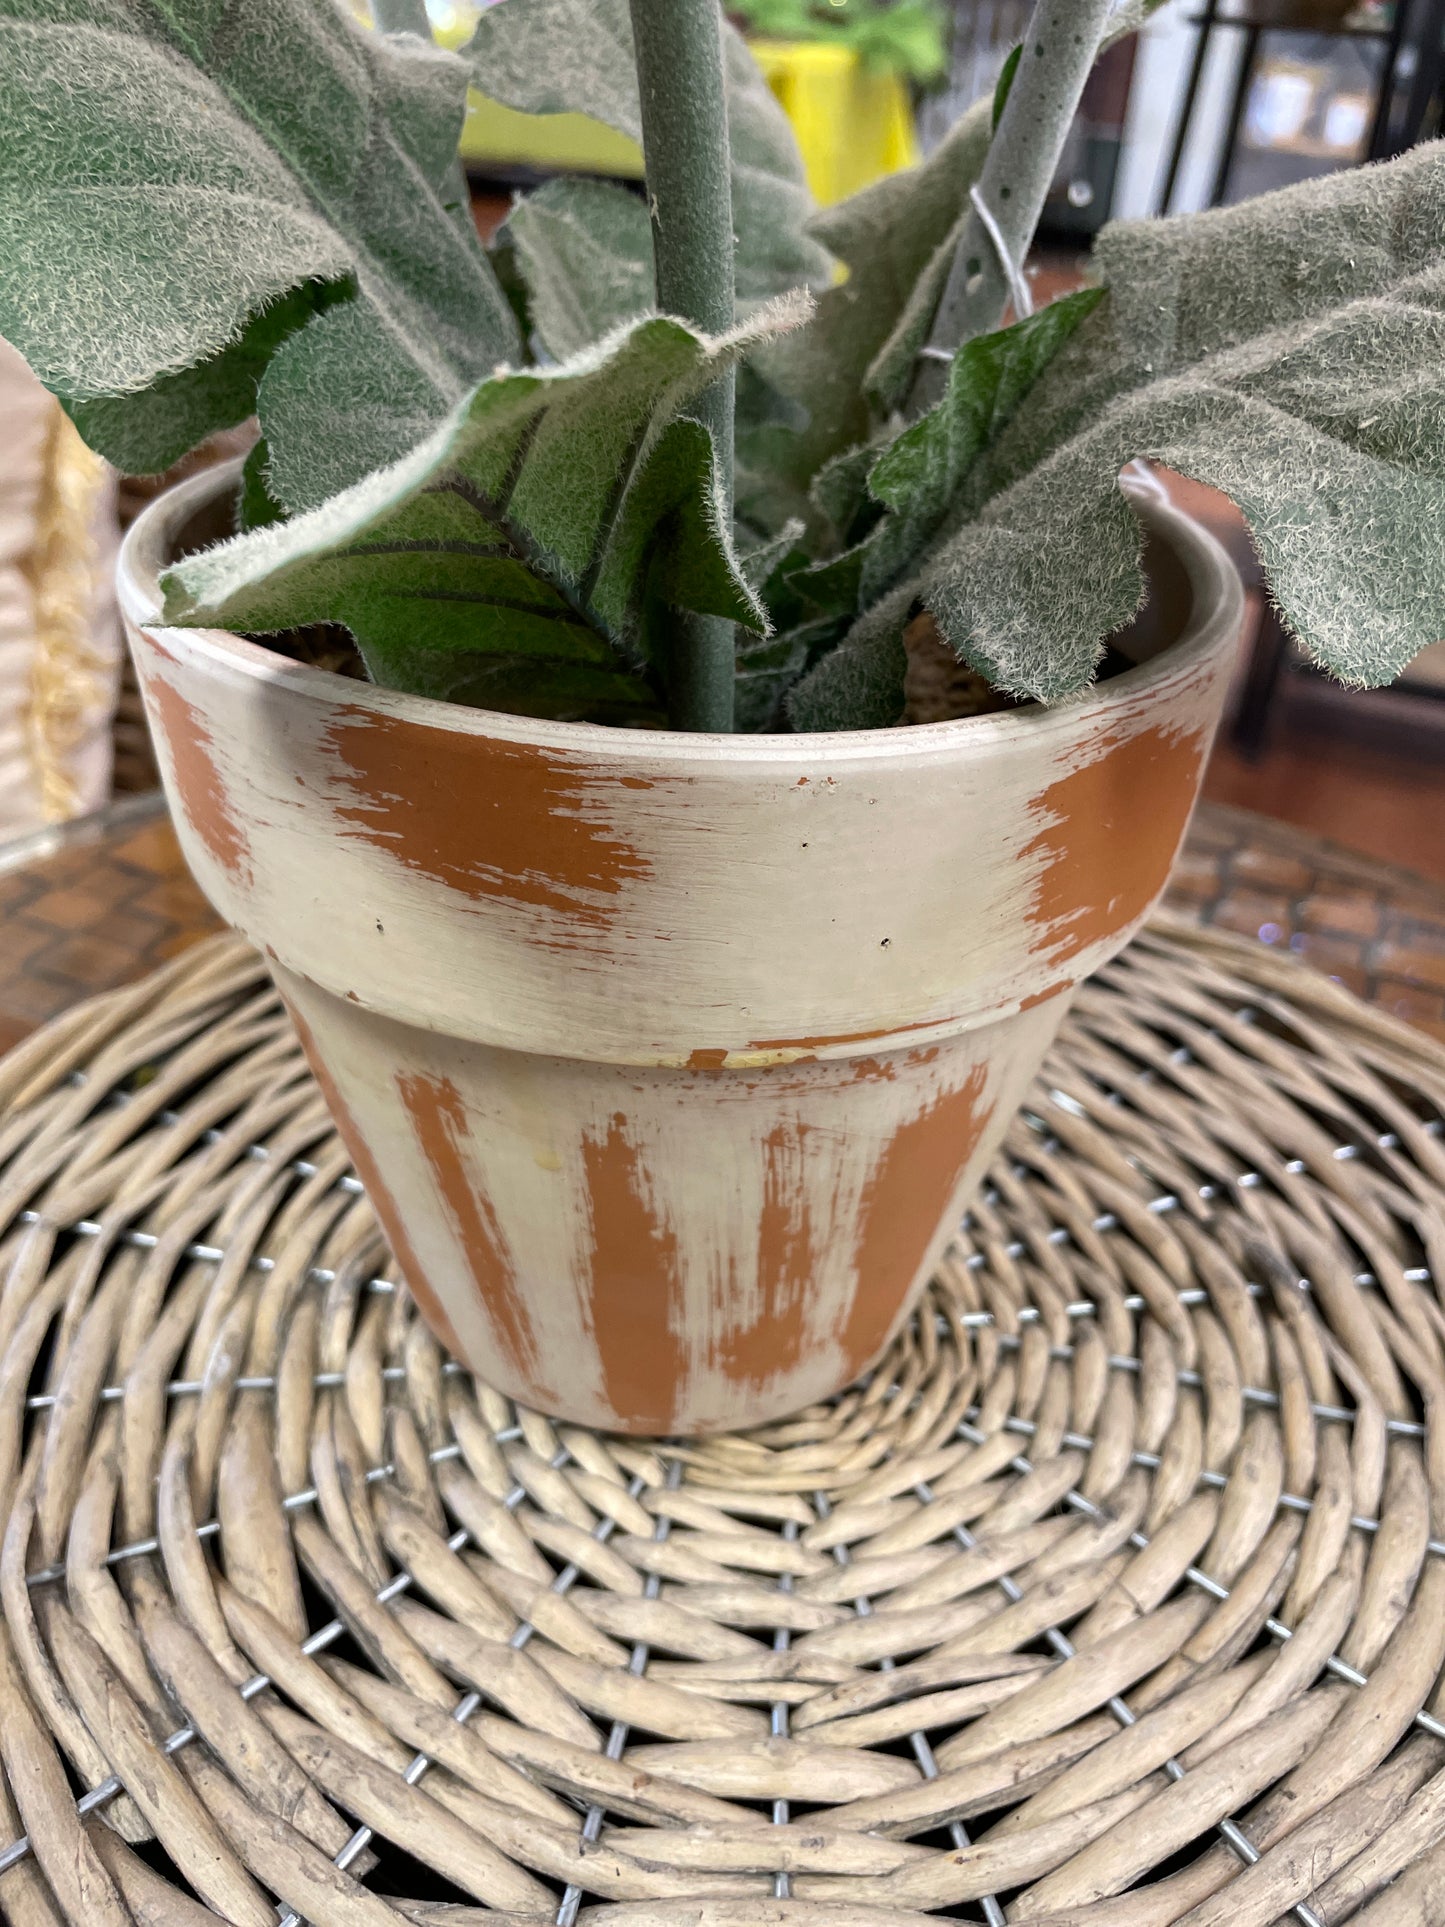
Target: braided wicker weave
{"points": [[1116, 1596]]}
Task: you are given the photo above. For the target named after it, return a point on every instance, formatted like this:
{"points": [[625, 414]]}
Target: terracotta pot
{"points": [[669, 1061]]}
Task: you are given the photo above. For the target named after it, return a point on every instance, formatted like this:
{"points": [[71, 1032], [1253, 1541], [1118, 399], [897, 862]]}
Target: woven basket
{"points": [[1115, 1596]]}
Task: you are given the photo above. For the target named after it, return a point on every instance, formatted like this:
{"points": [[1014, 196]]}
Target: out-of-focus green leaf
{"points": [[584, 250], [576, 56]]}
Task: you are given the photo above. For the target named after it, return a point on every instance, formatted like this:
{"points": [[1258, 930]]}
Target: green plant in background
{"points": [[613, 467], [903, 37]]}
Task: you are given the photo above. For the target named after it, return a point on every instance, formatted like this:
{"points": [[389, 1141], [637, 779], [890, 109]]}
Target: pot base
{"points": [[664, 1251]]}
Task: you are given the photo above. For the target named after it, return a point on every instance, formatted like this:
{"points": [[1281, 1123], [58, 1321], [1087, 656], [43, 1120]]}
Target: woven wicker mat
{"points": [[1115, 1596]]}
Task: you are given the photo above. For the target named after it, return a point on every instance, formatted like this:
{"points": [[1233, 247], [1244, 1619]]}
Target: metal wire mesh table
{"points": [[1115, 1595]]}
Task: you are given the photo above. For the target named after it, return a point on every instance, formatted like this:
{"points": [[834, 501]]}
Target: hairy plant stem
{"points": [[689, 192], [1060, 46]]}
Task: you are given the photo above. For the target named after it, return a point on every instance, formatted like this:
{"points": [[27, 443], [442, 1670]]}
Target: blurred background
{"points": [[1212, 101]]}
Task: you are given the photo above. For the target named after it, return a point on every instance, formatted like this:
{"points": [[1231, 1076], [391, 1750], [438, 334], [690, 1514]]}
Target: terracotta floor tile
{"points": [[1330, 908]]}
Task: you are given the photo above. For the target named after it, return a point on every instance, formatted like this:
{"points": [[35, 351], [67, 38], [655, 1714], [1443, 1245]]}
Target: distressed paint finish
{"points": [[926, 1159], [765, 1339], [655, 1249], [188, 747], [393, 1219], [634, 1283], [1113, 827], [438, 1116], [485, 818], [669, 1061]]}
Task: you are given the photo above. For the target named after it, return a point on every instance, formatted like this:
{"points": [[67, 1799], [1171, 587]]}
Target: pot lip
{"points": [[1217, 611]]}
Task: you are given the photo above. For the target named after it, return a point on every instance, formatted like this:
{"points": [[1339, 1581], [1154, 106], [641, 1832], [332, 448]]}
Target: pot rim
{"points": [[1217, 591]]}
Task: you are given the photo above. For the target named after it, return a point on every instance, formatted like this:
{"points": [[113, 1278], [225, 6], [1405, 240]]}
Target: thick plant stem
{"points": [[1059, 48], [689, 191]]}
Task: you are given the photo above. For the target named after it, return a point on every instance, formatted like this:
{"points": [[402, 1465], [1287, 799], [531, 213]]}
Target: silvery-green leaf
{"points": [[576, 56], [886, 236], [584, 250], [172, 172], [144, 433], [1328, 437], [859, 684], [340, 387], [531, 546], [771, 202], [559, 57], [1290, 351], [914, 480]]}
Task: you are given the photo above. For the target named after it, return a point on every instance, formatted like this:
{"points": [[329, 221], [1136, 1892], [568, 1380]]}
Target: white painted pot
{"points": [[670, 1061]]}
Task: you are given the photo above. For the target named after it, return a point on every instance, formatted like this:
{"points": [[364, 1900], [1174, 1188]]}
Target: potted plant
{"points": [[669, 989]]}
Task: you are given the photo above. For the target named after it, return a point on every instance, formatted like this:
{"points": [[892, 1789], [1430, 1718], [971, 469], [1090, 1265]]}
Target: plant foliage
{"points": [[213, 206], [1288, 351], [541, 539], [576, 56], [906, 37], [493, 467]]}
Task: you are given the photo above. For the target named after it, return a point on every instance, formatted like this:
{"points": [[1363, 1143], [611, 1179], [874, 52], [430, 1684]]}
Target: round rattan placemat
{"points": [[1115, 1596]]}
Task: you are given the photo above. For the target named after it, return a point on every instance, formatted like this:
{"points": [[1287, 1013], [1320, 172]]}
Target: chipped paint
{"points": [[794, 1047], [634, 1286], [388, 1211], [1110, 832], [907, 1194], [438, 1116], [486, 817], [769, 1343], [1045, 996], [204, 798]]}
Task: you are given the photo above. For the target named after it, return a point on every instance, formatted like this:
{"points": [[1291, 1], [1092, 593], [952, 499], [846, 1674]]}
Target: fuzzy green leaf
{"points": [[887, 236], [143, 434], [916, 480], [559, 57], [256, 505], [584, 250], [576, 56], [1290, 351], [531, 548], [173, 171], [765, 565], [772, 205]]}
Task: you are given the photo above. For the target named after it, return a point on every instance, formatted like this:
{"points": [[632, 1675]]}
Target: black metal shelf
{"points": [[1408, 88]]}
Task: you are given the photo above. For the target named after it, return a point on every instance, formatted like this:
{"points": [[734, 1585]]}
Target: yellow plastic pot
{"points": [[853, 126]]}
